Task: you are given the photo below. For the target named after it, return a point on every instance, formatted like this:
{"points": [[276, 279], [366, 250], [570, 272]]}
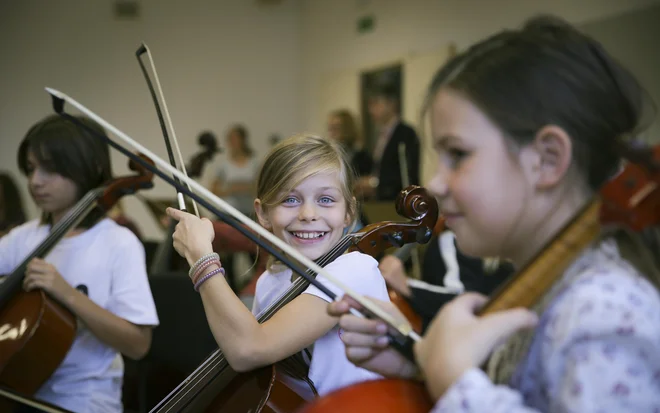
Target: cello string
{"points": [[217, 359]]}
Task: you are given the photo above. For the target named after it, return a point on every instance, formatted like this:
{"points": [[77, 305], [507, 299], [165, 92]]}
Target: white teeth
{"points": [[308, 235]]}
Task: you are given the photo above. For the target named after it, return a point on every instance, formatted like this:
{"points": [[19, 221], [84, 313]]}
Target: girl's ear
{"points": [[553, 149], [262, 216]]}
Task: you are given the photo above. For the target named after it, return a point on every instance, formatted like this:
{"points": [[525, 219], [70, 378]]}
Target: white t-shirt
{"points": [[107, 263], [329, 368]]}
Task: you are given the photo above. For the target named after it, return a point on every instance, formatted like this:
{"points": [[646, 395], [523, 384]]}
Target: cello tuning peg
{"points": [[423, 235], [396, 239]]}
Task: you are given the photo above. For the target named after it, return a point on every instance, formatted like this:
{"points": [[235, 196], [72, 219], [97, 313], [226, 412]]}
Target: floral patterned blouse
{"points": [[596, 349]]}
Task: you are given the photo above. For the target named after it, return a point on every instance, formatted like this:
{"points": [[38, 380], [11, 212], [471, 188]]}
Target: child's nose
{"points": [[37, 178], [307, 212]]}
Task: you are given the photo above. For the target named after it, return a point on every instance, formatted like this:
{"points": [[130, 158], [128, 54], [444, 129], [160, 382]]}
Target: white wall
{"points": [[218, 62], [404, 28], [632, 38]]}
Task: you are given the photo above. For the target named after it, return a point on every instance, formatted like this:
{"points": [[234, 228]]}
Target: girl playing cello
{"points": [[526, 126], [97, 271], [304, 197]]}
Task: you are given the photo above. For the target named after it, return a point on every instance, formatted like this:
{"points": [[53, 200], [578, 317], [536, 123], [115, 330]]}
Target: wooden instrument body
{"points": [[406, 309], [35, 335], [268, 389]]}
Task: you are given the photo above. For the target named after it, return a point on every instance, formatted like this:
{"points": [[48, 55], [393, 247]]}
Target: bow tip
{"points": [[142, 49], [54, 92]]}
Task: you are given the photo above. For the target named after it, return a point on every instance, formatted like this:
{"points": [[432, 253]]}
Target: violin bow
{"points": [[143, 49], [231, 215]]}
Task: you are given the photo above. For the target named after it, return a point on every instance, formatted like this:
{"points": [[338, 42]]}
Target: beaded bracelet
{"points": [[207, 257], [207, 276], [201, 268]]}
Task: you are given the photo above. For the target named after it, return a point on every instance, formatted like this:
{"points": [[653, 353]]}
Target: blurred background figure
{"points": [[235, 176], [118, 214], [12, 213], [234, 181], [388, 174], [343, 128], [209, 144]]}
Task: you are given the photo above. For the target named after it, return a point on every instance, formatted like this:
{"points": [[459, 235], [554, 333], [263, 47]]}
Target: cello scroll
{"points": [[414, 203]]}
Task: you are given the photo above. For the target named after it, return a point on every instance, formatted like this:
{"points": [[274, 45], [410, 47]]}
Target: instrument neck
{"points": [[73, 217]]}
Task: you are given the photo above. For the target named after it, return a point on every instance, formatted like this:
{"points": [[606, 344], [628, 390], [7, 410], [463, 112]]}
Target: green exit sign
{"points": [[366, 24]]}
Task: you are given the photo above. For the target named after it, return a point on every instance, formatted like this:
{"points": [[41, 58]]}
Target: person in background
{"points": [[235, 177], [343, 128], [385, 180], [118, 215], [12, 213]]}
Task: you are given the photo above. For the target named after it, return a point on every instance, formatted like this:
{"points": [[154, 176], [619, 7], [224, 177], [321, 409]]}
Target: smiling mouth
{"points": [[308, 235]]}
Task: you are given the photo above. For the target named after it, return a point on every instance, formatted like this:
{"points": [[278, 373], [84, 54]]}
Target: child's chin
{"points": [[314, 252]]}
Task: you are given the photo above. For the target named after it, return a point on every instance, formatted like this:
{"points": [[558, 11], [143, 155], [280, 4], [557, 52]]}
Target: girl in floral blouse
{"points": [[526, 125]]}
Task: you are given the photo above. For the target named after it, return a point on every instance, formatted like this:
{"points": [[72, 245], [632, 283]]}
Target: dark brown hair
{"points": [[14, 213], [70, 150]]}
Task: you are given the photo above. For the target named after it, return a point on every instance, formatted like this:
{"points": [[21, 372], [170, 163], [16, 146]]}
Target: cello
{"points": [[630, 200], [37, 331]]}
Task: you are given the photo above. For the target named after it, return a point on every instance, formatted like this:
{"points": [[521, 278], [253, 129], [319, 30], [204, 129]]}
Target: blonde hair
{"points": [[297, 158]]}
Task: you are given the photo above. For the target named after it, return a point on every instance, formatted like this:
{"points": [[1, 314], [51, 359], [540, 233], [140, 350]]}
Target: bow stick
{"points": [[206, 198], [142, 50]]}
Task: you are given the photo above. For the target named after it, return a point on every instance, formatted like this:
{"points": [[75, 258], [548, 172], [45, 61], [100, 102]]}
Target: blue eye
{"points": [[289, 200], [326, 200]]}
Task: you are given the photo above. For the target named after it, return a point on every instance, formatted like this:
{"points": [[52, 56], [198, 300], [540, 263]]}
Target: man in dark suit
{"points": [[388, 174]]}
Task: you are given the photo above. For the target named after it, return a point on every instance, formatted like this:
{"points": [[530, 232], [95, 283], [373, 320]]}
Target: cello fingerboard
{"points": [[528, 286]]}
